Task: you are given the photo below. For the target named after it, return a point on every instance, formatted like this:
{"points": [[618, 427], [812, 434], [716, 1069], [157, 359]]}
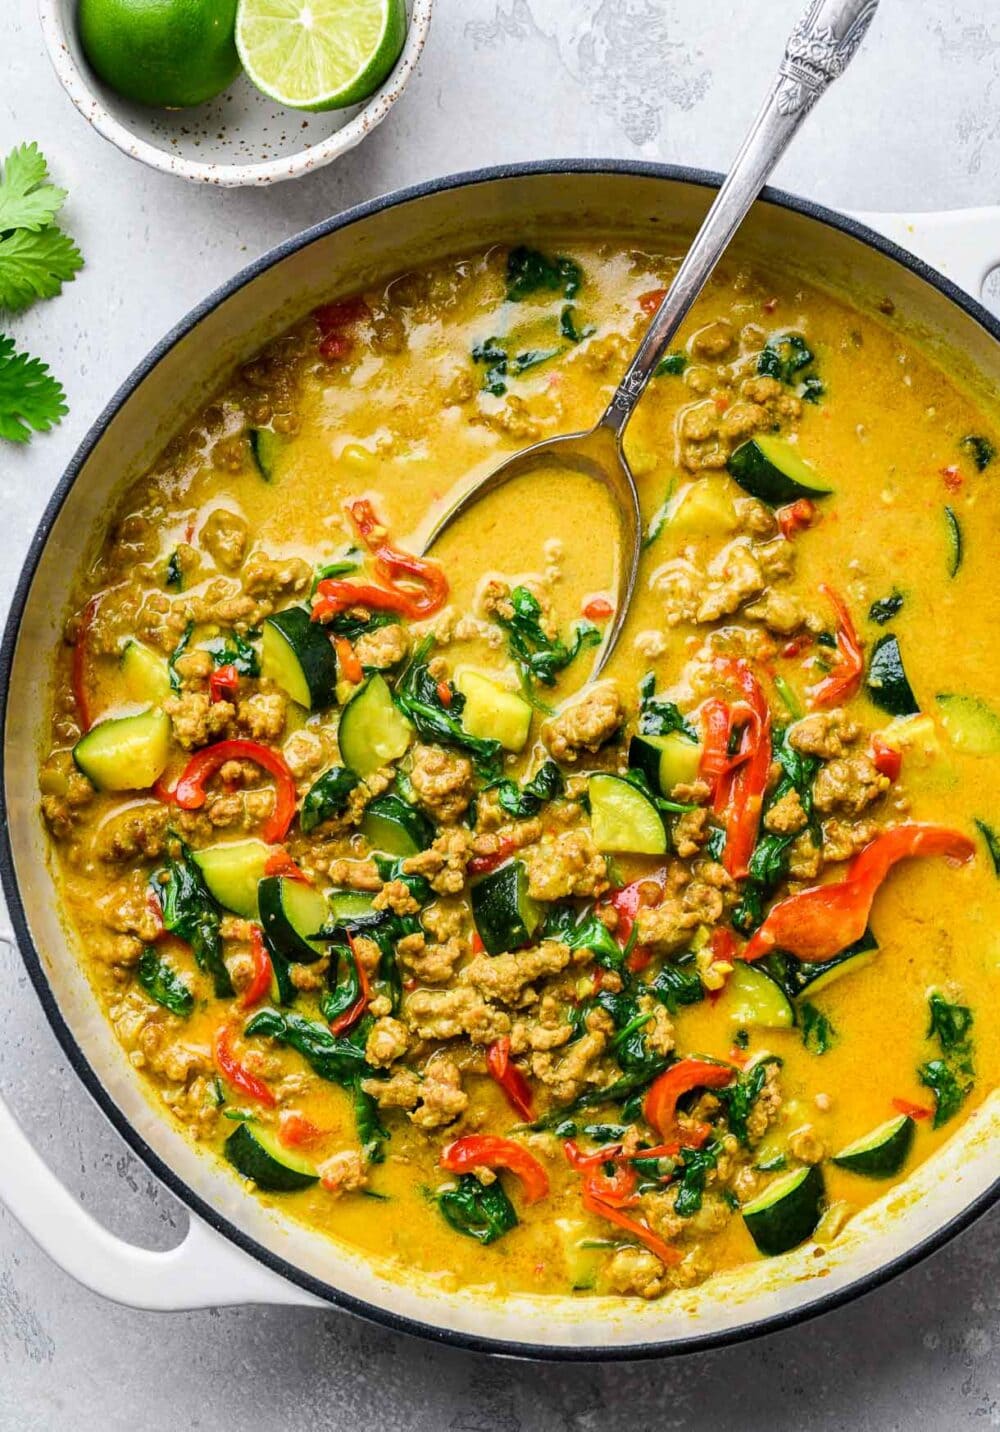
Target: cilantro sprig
{"points": [[36, 259]]}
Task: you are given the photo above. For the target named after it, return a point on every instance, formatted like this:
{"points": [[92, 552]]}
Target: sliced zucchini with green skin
{"points": [[127, 753], [264, 447], [814, 978], [297, 655], [773, 471], [327, 798], [665, 761], [349, 905], [491, 712], [373, 732], [291, 913], [955, 545], [755, 1001], [232, 873], [146, 675], [787, 1212], [505, 915], [883, 1152], [256, 1153], [886, 682], [623, 819], [283, 991], [395, 828], [971, 725]]}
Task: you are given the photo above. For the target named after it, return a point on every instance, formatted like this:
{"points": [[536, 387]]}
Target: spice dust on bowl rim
{"points": [[279, 1260]]}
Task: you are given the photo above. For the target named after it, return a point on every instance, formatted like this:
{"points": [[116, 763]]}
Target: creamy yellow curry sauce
{"points": [[514, 977]]}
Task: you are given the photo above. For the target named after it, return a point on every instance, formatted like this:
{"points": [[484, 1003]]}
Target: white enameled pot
{"points": [[236, 1250]]}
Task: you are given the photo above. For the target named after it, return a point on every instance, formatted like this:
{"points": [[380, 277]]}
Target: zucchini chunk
{"points": [[886, 681], [772, 470], [787, 1212], [264, 446], [971, 725], [373, 732], [145, 674], [623, 819], [347, 906], [953, 529], [665, 761], [393, 827], [255, 1153], [883, 1152], [754, 1000], [297, 655], [232, 873], [505, 915], [290, 915], [127, 753], [491, 712]]}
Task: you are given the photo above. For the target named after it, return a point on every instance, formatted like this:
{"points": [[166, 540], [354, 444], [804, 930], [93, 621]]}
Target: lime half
{"points": [[319, 54]]}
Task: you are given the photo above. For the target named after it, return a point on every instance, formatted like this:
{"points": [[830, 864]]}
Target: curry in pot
{"points": [[520, 979]]}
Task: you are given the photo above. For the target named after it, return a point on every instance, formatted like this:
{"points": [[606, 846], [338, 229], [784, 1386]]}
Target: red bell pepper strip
{"points": [[483, 864], [189, 792], [294, 1131], [510, 1079], [582, 1162], [260, 984], [745, 784], [350, 667], [818, 923], [617, 1189], [845, 680], [660, 1107], [78, 675], [594, 1204], [715, 727], [351, 1016], [915, 1111], [235, 1074], [223, 683], [796, 517], [281, 863], [445, 694], [598, 609], [391, 563], [333, 596], [885, 758], [488, 1151]]}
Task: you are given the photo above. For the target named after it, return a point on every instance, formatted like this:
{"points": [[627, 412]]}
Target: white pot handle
{"points": [[963, 244], [203, 1271]]}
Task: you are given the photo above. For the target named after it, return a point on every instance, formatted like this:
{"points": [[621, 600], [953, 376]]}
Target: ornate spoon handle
{"points": [[819, 49]]}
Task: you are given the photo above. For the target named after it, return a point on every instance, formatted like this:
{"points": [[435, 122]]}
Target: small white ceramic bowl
{"points": [[242, 137]]}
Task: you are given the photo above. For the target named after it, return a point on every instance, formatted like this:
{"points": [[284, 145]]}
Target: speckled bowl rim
{"points": [[77, 84]]}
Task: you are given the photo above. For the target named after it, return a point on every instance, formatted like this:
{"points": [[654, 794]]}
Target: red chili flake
{"points": [[598, 609], [953, 478], [478, 947], [335, 346], [444, 693], [650, 302], [796, 517], [770, 304], [915, 1111], [331, 316], [721, 403], [797, 645]]}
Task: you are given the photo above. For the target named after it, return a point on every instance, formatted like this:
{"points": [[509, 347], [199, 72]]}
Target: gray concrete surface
{"points": [[916, 125]]}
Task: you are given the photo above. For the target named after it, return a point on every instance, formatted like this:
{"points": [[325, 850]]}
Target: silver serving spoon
{"points": [[818, 51]]}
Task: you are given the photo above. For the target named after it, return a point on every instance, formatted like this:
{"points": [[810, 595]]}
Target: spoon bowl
{"points": [[819, 49]]}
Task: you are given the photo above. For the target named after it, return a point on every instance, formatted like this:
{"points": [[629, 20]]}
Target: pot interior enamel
{"points": [[646, 205]]}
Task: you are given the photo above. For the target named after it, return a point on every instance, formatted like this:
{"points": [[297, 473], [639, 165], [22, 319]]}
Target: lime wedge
{"points": [[319, 54]]}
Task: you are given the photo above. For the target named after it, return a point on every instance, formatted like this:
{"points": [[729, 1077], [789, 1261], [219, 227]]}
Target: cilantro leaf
{"points": [[27, 200], [29, 396], [35, 265]]}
